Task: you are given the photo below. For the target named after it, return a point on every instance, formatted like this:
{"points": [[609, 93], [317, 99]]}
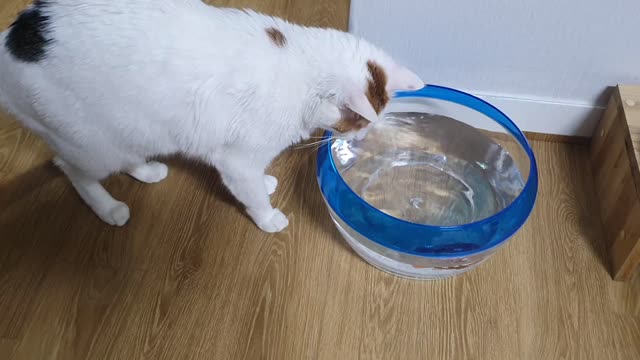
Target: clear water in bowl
{"points": [[430, 169]]}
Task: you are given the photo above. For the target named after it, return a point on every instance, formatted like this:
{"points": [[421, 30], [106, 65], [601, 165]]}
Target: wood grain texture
{"points": [[615, 151], [190, 277]]}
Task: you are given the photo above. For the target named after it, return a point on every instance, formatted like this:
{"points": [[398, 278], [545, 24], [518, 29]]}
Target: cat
{"points": [[110, 84]]}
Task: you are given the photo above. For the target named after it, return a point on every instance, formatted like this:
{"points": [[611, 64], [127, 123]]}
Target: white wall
{"points": [[546, 63]]}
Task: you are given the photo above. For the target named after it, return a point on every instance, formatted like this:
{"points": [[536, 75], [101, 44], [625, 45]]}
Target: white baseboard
{"points": [[548, 116]]}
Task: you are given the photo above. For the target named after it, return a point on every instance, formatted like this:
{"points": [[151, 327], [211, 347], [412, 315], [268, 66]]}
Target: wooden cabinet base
{"points": [[614, 157]]}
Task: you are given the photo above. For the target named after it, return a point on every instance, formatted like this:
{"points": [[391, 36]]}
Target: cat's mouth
{"points": [[350, 122], [351, 126]]}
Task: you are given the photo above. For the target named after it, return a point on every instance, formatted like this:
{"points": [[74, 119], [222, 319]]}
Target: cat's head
{"points": [[364, 88]]}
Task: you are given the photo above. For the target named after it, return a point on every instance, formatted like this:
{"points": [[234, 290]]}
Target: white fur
{"points": [[126, 80]]}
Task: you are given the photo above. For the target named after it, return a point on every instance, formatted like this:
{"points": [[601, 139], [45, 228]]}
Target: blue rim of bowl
{"points": [[472, 102]]}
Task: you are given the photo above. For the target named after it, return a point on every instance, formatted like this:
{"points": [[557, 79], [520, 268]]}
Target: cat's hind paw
{"points": [[271, 184], [150, 173]]}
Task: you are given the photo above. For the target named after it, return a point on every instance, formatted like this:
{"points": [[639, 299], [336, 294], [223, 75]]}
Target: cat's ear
{"points": [[359, 104], [401, 78]]}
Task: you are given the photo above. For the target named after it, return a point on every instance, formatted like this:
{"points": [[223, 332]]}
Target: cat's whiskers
{"points": [[314, 144]]}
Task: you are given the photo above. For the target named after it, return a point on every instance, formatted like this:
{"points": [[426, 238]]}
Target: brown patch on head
{"points": [[377, 87], [350, 122], [377, 96], [277, 37]]}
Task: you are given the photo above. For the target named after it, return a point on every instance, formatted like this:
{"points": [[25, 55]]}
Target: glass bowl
{"points": [[435, 188]]}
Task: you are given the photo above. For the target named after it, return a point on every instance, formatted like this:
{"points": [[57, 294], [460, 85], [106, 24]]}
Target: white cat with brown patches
{"points": [[109, 84]]}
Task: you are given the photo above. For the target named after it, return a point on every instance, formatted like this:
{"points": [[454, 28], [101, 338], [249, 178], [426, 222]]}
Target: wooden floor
{"points": [[190, 277]]}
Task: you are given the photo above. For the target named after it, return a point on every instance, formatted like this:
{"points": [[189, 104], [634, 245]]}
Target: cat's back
{"points": [[120, 35], [123, 40], [141, 65], [122, 49]]}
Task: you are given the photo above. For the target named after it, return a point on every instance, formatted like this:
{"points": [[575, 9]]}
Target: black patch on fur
{"points": [[28, 36]]}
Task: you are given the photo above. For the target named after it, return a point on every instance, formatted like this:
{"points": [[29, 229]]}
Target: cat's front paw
{"points": [[272, 221], [117, 214]]}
